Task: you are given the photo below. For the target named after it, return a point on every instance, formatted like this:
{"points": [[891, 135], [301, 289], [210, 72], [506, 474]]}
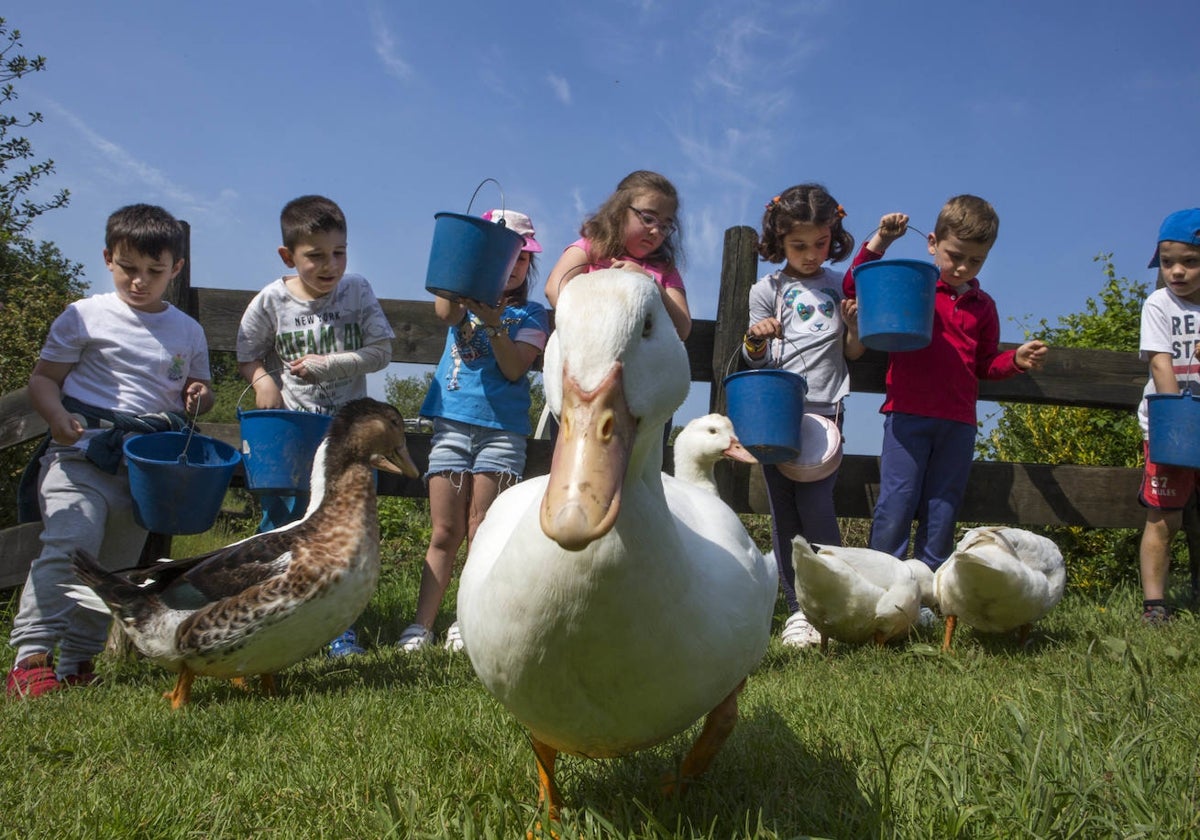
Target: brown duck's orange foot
{"points": [[240, 682], [181, 695], [717, 726], [951, 623]]}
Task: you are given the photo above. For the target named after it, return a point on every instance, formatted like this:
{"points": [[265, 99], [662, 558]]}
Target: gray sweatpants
{"points": [[86, 508]]}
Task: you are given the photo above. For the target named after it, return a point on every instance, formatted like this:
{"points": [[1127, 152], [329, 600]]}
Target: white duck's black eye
{"points": [[647, 326]]}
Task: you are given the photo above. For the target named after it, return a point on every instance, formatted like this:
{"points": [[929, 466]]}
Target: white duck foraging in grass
{"points": [[266, 602], [854, 594], [998, 580], [703, 442], [606, 605]]}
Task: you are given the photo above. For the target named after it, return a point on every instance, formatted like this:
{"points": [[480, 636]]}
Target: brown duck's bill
{"points": [[595, 439], [397, 461]]}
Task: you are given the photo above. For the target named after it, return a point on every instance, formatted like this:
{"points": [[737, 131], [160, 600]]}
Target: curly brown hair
{"points": [[803, 204]]}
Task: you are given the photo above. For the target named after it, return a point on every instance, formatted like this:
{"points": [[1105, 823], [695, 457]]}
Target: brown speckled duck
{"points": [[266, 602]]}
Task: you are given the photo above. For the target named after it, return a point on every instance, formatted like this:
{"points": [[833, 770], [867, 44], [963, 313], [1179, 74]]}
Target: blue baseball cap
{"points": [[1180, 226]]}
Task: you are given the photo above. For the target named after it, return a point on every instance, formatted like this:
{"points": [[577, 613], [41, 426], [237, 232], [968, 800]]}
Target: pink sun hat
{"points": [[518, 223]]}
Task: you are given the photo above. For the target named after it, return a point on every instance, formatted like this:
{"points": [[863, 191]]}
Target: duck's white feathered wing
{"points": [[999, 579]]}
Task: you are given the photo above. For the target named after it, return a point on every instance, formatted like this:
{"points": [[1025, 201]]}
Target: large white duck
{"points": [[855, 594], [606, 605], [703, 442], [999, 579]]}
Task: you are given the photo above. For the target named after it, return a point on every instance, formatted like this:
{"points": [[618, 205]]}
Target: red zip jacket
{"points": [[942, 379]]}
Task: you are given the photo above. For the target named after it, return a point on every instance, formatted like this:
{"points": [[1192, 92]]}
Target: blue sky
{"points": [[1079, 121]]}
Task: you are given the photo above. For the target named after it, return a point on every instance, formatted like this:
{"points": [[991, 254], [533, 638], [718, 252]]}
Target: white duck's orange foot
{"points": [[717, 726]]}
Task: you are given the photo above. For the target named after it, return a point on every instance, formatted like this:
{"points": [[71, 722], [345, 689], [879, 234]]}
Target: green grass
{"points": [[1088, 732]]}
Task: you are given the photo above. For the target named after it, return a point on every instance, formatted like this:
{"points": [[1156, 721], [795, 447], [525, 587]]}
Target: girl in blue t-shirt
{"points": [[479, 402]]}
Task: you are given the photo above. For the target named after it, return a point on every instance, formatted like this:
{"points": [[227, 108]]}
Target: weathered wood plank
{"points": [[1085, 378], [18, 546], [18, 421]]}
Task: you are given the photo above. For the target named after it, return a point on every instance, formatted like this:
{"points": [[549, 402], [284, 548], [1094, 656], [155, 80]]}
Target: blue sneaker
{"points": [[345, 645]]}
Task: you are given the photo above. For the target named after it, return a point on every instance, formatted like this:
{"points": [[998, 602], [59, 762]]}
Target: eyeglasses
{"points": [[650, 220]]}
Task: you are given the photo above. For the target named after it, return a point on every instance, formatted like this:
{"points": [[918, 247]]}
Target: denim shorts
{"points": [[465, 447]]}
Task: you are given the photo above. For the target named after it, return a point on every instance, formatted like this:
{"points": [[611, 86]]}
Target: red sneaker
{"points": [[33, 676], [84, 676]]}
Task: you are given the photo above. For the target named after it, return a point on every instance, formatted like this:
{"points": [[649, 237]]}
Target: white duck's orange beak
{"points": [[595, 439], [737, 452]]}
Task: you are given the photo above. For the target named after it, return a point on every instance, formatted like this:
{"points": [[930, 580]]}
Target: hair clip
{"points": [[841, 212], [772, 202]]}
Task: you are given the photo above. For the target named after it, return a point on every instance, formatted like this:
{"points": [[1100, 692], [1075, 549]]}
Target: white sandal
{"points": [[414, 637]]}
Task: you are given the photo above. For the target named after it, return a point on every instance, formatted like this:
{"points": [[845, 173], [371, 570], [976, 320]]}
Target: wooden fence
{"points": [[1001, 493]]}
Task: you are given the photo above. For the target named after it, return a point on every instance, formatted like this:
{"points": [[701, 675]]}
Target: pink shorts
{"points": [[1165, 487]]}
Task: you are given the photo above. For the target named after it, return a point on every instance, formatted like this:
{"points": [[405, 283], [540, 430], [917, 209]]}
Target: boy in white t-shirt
{"points": [[328, 330], [114, 363], [1169, 339]]}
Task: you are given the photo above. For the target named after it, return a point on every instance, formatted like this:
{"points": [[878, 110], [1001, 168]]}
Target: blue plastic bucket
{"points": [[895, 303], [766, 408], [178, 491], [471, 258], [278, 447], [1174, 429]]}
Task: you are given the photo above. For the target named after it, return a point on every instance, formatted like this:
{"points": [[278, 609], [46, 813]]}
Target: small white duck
{"points": [[999, 579], [606, 605], [263, 603], [703, 442], [855, 594]]}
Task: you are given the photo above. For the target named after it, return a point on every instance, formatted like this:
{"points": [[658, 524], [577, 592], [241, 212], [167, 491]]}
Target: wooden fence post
{"points": [[739, 270]]}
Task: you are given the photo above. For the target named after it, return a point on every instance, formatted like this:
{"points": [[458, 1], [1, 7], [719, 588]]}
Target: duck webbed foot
{"points": [[181, 695]]}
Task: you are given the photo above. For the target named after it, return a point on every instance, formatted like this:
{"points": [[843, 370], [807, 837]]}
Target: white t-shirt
{"points": [[125, 359], [1170, 324], [347, 318]]}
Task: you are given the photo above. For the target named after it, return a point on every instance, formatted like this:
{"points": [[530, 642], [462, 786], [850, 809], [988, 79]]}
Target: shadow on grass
{"points": [[765, 782]]}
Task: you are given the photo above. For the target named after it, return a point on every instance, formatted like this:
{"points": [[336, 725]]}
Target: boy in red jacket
{"points": [[930, 425]]}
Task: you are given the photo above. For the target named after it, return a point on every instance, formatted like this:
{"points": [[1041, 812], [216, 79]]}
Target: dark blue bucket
{"points": [[278, 447], [766, 408], [471, 258], [1174, 429], [178, 491], [895, 303]]}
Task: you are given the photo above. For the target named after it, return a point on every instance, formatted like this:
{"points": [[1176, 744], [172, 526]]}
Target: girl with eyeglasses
{"points": [[635, 229]]}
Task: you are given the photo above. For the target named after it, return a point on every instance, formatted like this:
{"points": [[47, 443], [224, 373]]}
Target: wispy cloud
{"points": [[384, 43], [561, 88], [124, 165]]}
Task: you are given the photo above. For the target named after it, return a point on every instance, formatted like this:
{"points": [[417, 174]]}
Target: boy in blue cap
{"points": [[1170, 329]]}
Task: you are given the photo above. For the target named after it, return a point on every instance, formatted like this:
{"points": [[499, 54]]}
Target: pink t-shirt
{"points": [[668, 277]]}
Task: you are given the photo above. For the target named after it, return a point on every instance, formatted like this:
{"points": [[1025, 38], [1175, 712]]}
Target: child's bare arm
{"points": [[45, 393], [266, 392], [1162, 371]]}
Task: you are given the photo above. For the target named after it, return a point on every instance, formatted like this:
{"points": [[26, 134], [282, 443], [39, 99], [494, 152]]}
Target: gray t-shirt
{"points": [[811, 313], [347, 318]]}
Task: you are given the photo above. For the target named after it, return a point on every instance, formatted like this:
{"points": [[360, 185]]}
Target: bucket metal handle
{"points": [[282, 385], [906, 230], [503, 206], [191, 431]]}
